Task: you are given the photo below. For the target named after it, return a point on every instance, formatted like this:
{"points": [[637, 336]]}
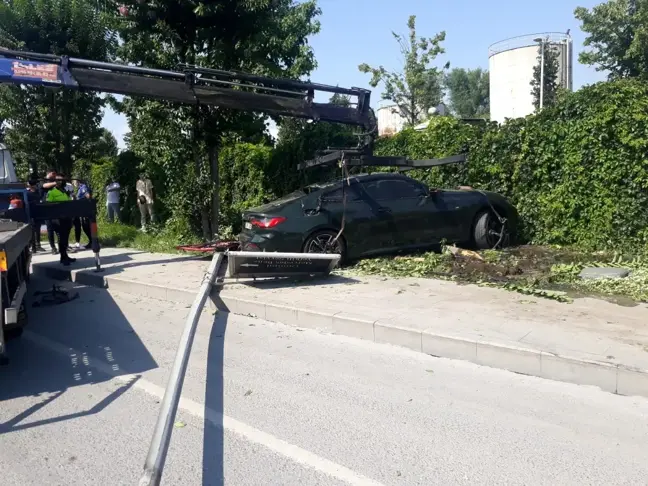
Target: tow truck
{"points": [[195, 86]]}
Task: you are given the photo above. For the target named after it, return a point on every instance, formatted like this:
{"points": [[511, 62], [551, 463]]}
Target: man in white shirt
{"points": [[145, 198], [112, 201]]}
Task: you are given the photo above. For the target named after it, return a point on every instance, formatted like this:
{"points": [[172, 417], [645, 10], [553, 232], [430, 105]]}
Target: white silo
{"points": [[511, 64], [390, 121]]}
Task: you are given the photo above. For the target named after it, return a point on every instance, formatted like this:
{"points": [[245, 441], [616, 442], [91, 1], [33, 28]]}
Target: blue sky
{"points": [[357, 31]]}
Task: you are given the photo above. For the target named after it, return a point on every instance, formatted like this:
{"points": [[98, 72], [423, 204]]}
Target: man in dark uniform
{"points": [[34, 196], [62, 226], [49, 183]]}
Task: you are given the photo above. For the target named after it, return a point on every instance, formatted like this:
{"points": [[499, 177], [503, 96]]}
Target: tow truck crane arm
{"points": [[215, 87], [191, 85]]}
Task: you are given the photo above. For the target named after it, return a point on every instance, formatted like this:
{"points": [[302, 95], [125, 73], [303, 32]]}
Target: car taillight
{"points": [[267, 222]]}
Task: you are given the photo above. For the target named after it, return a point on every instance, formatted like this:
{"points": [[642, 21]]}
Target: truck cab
{"points": [[7, 166]]}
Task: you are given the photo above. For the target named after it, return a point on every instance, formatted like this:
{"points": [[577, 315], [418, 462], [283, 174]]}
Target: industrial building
{"points": [[389, 120], [511, 64]]}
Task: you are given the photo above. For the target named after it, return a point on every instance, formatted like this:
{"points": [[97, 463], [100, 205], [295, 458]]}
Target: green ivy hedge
{"points": [[577, 171], [244, 176]]}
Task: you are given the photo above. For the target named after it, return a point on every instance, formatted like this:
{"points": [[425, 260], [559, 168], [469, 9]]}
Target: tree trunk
{"points": [[196, 134], [56, 137], [215, 177], [66, 156]]}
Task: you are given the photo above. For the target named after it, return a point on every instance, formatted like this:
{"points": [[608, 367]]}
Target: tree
{"points": [[45, 127], [266, 37], [618, 36], [551, 72], [418, 87], [104, 146], [469, 92]]}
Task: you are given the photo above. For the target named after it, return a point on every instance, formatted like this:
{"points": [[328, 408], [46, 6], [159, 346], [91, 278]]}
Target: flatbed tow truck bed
{"points": [[15, 258]]}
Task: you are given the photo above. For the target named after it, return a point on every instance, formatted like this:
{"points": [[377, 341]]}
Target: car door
{"points": [[403, 201], [359, 219]]}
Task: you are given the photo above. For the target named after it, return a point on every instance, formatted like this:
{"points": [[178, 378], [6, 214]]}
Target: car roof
{"points": [[359, 178], [381, 175]]}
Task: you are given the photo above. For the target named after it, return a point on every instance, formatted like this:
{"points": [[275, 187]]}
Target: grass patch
{"points": [[543, 271], [155, 240]]}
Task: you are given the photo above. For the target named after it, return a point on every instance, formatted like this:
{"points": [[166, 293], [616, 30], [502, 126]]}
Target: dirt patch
{"points": [[544, 271]]}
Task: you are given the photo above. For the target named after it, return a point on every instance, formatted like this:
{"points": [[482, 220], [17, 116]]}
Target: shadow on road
{"points": [[86, 341], [111, 264], [90, 341], [214, 440]]}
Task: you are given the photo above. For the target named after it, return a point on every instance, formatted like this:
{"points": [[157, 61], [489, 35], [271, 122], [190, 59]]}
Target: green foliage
{"points": [[99, 172], [299, 141], [124, 236], [51, 128], [577, 171], [469, 92], [549, 77], [618, 36], [418, 87], [244, 174]]}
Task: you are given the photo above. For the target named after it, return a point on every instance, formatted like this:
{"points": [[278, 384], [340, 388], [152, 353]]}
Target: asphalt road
{"points": [[80, 398]]}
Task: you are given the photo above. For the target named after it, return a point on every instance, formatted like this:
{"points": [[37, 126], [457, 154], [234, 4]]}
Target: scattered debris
{"points": [[179, 424], [549, 272], [460, 252], [247, 393], [211, 247], [56, 296]]}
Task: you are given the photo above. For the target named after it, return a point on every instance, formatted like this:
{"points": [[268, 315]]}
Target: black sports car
{"points": [[383, 213]]}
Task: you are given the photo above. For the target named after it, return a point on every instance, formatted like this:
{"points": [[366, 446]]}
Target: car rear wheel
{"points": [[324, 242], [490, 233]]}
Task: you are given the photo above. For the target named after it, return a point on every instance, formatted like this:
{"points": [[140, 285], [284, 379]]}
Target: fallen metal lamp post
{"points": [[239, 264]]}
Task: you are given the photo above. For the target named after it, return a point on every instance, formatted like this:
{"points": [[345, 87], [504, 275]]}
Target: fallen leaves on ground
{"points": [[550, 272]]}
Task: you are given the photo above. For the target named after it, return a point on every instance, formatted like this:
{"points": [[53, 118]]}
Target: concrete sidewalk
{"points": [[589, 342]]}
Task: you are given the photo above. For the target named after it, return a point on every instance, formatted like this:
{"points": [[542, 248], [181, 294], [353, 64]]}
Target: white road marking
{"points": [[279, 446]]}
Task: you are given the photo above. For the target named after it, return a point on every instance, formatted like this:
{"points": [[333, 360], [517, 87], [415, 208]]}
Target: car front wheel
{"points": [[490, 233], [325, 242]]}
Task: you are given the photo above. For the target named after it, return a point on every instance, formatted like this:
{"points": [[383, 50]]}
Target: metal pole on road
{"points": [[162, 436]]}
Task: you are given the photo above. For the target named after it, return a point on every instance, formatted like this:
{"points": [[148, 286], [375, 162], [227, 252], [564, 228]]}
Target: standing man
{"points": [[45, 187], [112, 200], [82, 192], [62, 226], [145, 198], [34, 196]]}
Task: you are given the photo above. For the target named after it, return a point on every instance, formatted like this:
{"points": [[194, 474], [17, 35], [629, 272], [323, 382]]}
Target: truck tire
{"points": [[13, 333]]}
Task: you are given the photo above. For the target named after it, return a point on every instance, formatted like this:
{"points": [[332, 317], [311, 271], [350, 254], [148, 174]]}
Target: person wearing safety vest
{"points": [[43, 188], [61, 226]]}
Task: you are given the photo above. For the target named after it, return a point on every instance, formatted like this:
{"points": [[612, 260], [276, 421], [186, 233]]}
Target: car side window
{"points": [[384, 189], [337, 195]]}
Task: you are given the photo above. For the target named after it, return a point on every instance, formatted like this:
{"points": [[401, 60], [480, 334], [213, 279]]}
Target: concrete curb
{"points": [[614, 378]]}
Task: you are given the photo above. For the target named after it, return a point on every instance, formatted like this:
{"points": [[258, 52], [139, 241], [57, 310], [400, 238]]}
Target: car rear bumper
{"points": [[270, 241]]}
